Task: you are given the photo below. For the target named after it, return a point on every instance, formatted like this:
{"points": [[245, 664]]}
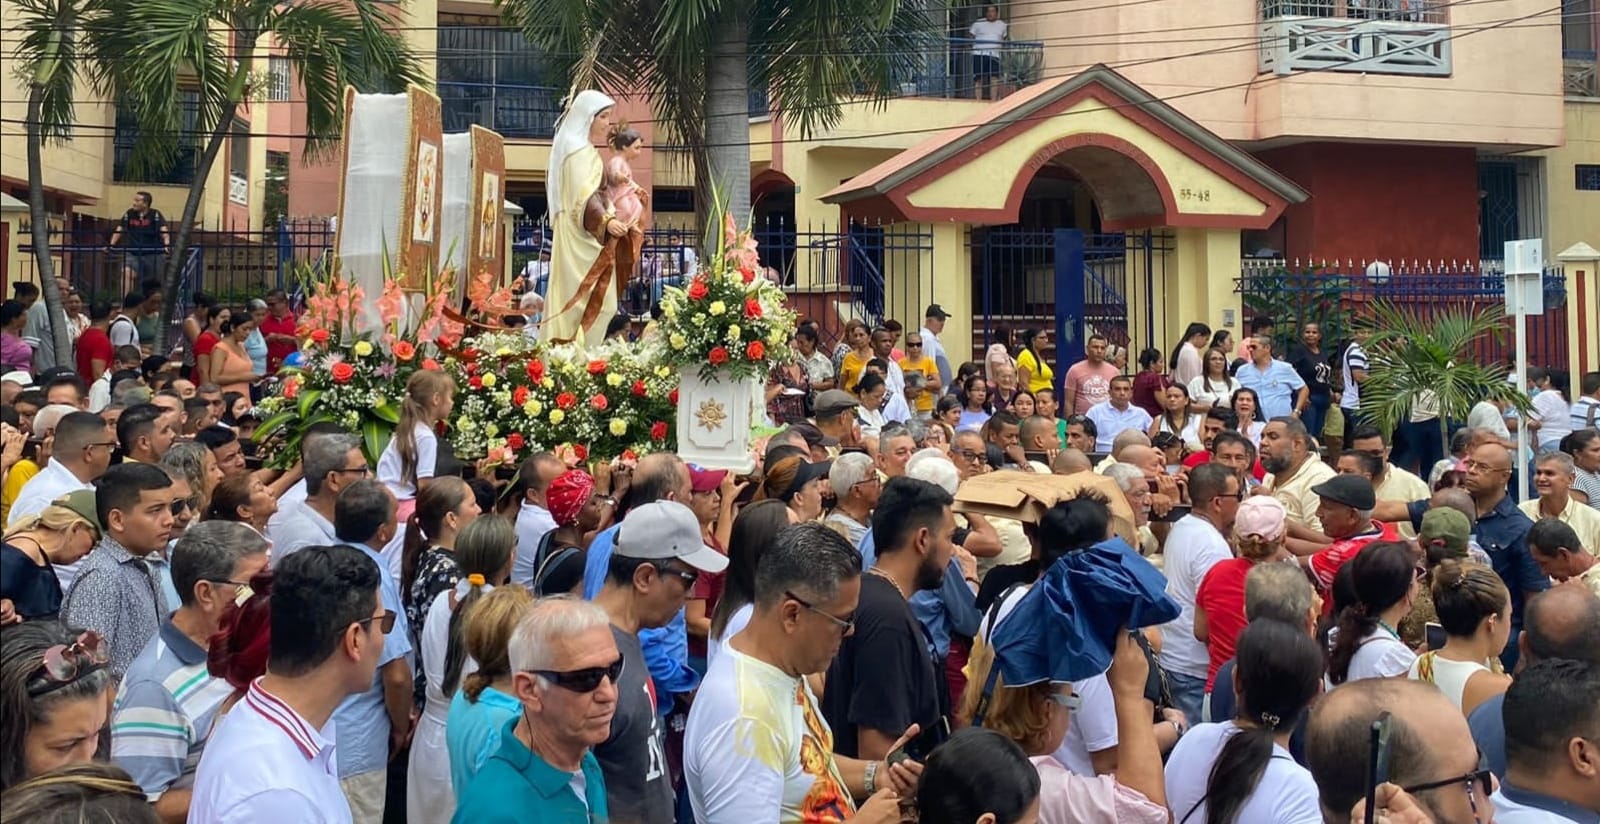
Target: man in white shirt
{"points": [[932, 326], [1586, 409], [78, 456], [1393, 483], [331, 461], [273, 760], [1116, 414], [1353, 373], [987, 35], [534, 518], [1197, 542]]}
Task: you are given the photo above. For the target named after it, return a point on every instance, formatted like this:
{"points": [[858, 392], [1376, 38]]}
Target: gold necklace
{"points": [[887, 577]]}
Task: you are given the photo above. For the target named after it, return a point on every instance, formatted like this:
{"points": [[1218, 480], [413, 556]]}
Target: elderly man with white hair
{"points": [[856, 485], [1136, 489], [565, 665]]}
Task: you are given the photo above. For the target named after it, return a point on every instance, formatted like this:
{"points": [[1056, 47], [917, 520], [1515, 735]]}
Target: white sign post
{"points": [[1524, 297]]}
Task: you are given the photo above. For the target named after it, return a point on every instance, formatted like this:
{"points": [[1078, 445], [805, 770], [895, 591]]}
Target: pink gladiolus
{"points": [[391, 304]]}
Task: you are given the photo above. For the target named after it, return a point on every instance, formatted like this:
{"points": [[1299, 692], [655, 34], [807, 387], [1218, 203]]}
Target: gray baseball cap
{"points": [[662, 530]]}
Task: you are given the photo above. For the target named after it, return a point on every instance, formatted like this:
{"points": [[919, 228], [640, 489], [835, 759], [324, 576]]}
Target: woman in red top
{"points": [[1150, 385], [207, 341], [1219, 604], [714, 493]]}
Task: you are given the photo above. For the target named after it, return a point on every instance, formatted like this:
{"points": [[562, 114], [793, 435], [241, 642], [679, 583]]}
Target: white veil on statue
{"points": [[572, 134]]}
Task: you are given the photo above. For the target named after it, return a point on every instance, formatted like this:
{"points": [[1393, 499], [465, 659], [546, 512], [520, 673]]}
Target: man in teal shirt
{"points": [[565, 666]]}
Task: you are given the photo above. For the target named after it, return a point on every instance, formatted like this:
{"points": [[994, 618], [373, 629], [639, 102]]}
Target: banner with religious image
{"points": [[485, 250]]}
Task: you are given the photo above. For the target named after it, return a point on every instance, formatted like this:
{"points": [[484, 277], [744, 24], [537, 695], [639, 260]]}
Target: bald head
{"points": [[1125, 439], [660, 476], [1458, 499], [1070, 461], [1149, 459], [1423, 726], [1563, 622], [1038, 433]]}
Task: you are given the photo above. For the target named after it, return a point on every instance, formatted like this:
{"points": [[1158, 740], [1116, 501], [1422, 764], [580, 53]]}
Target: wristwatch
{"points": [[871, 778]]}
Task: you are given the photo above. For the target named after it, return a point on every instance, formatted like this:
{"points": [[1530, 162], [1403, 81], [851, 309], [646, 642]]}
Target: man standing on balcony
{"points": [[143, 231], [987, 35]]}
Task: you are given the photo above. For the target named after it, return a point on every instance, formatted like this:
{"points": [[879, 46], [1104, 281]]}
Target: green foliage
{"points": [[1412, 357], [1293, 297]]}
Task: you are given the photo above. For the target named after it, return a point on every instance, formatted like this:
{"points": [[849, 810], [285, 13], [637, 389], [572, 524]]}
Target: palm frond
{"points": [[52, 55]]}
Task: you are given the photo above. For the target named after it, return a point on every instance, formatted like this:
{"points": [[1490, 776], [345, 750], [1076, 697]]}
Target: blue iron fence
{"points": [[944, 69], [1335, 294]]}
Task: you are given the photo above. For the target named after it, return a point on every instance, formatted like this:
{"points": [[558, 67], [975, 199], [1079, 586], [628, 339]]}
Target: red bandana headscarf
{"points": [[568, 494]]}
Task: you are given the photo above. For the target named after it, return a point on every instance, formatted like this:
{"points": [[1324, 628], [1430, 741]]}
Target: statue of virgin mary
{"points": [[583, 290]]}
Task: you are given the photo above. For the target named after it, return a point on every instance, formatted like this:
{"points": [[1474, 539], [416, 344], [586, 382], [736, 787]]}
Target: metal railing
{"points": [[1580, 73], [1409, 11], [515, 111]]}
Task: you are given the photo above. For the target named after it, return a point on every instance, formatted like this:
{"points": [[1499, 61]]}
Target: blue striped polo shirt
{"points": [[164, 712]]}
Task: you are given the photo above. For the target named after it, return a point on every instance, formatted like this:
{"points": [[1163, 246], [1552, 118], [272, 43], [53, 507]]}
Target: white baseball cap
{"points": [[19, 377], [662, 530]]}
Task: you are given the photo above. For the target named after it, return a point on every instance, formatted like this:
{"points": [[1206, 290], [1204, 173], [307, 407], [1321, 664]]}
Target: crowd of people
{"points": [[186, 636]]}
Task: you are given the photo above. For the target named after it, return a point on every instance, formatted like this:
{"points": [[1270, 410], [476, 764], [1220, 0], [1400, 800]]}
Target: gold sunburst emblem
{"points": [[711, 415]]}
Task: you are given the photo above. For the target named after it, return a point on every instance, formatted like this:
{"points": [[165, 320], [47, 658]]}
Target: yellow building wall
{"points": [[1573, 216]]}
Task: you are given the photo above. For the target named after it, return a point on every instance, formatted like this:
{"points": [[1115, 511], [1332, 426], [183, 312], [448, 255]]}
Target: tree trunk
{"points": [[728, 125], [44, 265]]}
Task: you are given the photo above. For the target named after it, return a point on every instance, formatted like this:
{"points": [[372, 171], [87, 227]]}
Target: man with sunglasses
{"points": [[168, 701], [273, 761], [1431, 756], [373, 723], [565, 674], [805, 603], [331, 462], [659, 553]]}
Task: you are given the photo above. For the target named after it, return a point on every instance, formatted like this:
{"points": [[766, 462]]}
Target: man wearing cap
{"points": [[932, 326], [1293, 469], [1553, 474], [834, 416], [12, 384], [659, 554], [1345, 512]]}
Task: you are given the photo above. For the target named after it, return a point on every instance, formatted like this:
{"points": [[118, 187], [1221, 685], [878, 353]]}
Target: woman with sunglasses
{"points": [[1036, 717], [1240, 770], [54, 699], [62, 534]]}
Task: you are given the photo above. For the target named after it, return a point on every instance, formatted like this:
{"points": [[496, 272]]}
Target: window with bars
{"points": [[185, 158], [1586, 177], [278, 79]]}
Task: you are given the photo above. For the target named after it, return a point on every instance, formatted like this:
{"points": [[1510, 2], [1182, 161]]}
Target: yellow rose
{"points": [[466, 424], [614, 379], [734, 332], [678, 341], [718, 307], [491, 429], [362, 349], [504, 352], [489, 380], [663, 372], [618, 427], [557, 416], [548, 383], [533, 409]]}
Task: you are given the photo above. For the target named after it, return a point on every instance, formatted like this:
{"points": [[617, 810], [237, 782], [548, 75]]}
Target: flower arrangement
{"points": [[729, 319], [515, 397], [354, 360]]}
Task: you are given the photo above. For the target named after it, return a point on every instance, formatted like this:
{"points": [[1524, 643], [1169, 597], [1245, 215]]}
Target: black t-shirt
{"points": [[1314, 369], [883, 677], [33, 589], [1001, 578], [142, 232], [633, 759]]}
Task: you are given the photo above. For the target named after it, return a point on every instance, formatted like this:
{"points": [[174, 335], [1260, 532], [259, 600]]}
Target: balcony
{"points": [[1367, 36], [494, 78], [1579, 75], [944, 70], [515, 111]]}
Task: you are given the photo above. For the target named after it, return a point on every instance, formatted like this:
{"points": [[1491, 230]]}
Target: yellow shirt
{"points": [[850, 371], [1040, 376], [21, 472], [1583, 519], [1400, 485], [924, 399], [1295, 493]]}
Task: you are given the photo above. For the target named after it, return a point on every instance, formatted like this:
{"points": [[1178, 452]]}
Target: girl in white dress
{"points": [[407, 463]]}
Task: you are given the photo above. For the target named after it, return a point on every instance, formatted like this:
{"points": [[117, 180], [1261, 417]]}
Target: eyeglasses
{"points": [[582, 680], [363, 470], [181, 506], [107, 444], [1476, 466], [63, 663], [845, 625], [970, 455], [687, 576], [1069, 702], [1482, 776], [387, 618]]}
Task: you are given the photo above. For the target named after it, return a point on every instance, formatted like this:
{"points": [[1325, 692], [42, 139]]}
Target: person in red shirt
{"points": [[94, 353], [1345, 509], [278, 328], [1219, 603]]}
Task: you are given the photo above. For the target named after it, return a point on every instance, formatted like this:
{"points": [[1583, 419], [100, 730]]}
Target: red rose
{"points": [[672, 397], [597, 367], [319, 336], [403, 350], [749, 275], [566, 400], [628, 455], [291, 389], [430, 364], [514, 442], [658, 430], [639, 389], [536, 370], [519, 396], [444, 342], [752, 308], [698, 290], [475, 382], [469, 354], [756, 350], [599, 402], [342, 372], [580, 452], [718, 356]]}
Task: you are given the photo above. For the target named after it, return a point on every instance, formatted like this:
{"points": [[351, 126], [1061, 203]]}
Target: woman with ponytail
{"points": [[484, 552], [407, 463], [1241, 770], [1364, 641], [428, 564], [1474, 609], [485, 702]]}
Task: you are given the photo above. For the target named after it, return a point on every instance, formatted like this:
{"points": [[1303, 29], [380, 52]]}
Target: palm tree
{"points": [[696, 61], [51, 58], [166, 46], [1412, 356]]}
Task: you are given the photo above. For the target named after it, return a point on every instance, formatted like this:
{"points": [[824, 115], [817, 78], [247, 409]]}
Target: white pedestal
{"points": [[716, 419]]}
